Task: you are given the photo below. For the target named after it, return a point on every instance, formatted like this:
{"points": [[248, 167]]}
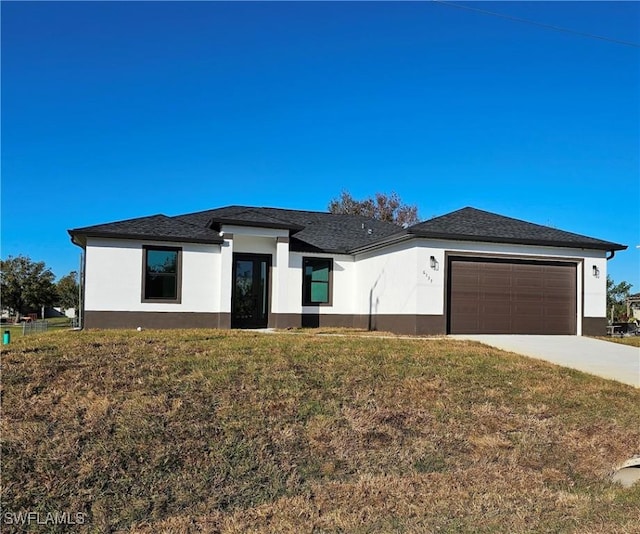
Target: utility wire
{"points": [[540, 24]]}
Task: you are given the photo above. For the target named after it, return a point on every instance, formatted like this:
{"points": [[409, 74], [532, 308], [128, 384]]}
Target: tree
{"points": [[26, 284], [616, 297], [67, 289], [388, 208]]}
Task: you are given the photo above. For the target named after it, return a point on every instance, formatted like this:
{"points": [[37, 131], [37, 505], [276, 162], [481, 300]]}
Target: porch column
{"points": [[226, 282], [281, 285]]}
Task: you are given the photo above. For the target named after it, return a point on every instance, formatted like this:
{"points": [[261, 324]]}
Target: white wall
{"points": [[254, 245], [595, 288], [113, 276], [388, 280], [253, 231]]}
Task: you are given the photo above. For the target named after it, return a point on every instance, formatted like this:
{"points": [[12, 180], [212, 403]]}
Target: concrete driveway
{"points": [[594, 356]]}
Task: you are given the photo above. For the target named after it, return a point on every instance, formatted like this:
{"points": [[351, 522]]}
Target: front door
{"points": [[250, 295]]}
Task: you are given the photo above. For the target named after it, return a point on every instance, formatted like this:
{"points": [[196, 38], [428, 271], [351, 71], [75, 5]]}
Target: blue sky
{"points": [[117, 110]]}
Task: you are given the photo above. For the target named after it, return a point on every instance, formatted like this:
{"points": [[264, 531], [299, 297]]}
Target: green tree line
{"points": [[29, 285]]}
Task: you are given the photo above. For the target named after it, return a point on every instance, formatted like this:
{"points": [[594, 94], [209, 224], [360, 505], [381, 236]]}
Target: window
{"points": [[317, 281], [161, 274]]}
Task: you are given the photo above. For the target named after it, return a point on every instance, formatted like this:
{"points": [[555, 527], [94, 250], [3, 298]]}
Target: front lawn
{"points": [[633, 341], [224, 431]]}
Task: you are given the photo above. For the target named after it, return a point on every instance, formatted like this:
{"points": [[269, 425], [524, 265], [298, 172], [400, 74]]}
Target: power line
{"points": [[540, 24]]}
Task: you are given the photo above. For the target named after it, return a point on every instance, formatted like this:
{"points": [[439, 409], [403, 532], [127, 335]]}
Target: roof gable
{"points": [[471, 224]]}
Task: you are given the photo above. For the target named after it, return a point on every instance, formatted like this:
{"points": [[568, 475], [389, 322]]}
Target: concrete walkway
{"points": [[601, 358]]}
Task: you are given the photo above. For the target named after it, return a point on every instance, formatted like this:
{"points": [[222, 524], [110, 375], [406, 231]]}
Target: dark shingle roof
{"points": [[471, 224], [311, 230], [339, 233], [153, 228], [241, 216]]}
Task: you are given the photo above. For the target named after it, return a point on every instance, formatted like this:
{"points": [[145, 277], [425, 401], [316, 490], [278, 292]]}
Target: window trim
{"points": [[305, 259], [178, 299]]}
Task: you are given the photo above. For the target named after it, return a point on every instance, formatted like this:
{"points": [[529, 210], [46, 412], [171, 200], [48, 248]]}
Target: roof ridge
{"points": [[255, 210], [246, 208], [190, 225]]}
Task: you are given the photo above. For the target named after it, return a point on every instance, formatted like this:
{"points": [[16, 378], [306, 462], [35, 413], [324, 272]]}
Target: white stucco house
{"points": [[469, 271]]}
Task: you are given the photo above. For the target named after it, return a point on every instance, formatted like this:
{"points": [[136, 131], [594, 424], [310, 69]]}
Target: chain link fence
{"points": [[34, 327]]}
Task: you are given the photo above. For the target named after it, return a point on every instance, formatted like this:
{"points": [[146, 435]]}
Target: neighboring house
{"points": [[633, 306], [469, 271], [59, 311]]}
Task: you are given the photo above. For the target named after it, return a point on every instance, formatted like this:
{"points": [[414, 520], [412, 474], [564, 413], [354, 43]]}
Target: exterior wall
{"points": [[405, 293], [391, 288], [224, 276], [254, 231], [254, 245], [388, 281], [113, 277], [344, 286], [595, 288], [146, 319]]}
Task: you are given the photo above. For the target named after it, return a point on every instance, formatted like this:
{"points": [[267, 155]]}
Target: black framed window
{"points": [[161, 277], [317, 281]]}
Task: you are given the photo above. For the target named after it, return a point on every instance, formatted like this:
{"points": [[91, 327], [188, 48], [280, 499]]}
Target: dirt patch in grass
{"points": [[210, 431]]}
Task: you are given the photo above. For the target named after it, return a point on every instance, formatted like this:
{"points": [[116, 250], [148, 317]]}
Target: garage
{"points": [[506, 296]]}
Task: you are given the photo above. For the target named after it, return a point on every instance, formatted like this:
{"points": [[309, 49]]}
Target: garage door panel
{"points": [[557, 285], [494, 307], [528, 282], [522, 298], [559, 310], [528, 310], [500, 297]]}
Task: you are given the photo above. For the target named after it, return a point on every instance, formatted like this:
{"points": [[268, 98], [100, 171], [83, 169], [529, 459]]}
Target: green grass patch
{"points": [[211, 431], [56, 323]]}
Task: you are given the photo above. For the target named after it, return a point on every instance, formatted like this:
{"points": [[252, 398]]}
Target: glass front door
{"points": [[250, 296]]}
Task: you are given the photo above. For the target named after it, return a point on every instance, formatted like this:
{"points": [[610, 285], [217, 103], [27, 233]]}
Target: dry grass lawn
{"points": [[211, 431], [631, 341]]}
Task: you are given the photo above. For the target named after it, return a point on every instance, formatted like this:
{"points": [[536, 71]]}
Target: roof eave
{"points": [[77, 239], [399, 237], [539, 242], [142, 237], [308, 248]]}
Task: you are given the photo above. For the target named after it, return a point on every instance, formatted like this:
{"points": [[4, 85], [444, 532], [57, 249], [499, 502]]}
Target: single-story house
{"points": [[469, 271]]}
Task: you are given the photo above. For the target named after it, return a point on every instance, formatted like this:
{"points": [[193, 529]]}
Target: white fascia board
{"points": [[388, 241], [254, 231]]}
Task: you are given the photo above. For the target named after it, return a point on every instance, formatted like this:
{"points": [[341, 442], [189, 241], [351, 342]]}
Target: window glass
{"points": [[319, 292], [320, 274], [162, 261], [317, 281], [161, 274]]}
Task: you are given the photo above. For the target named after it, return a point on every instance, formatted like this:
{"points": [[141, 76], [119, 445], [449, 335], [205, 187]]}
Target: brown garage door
{"points": [[507, 297]]}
